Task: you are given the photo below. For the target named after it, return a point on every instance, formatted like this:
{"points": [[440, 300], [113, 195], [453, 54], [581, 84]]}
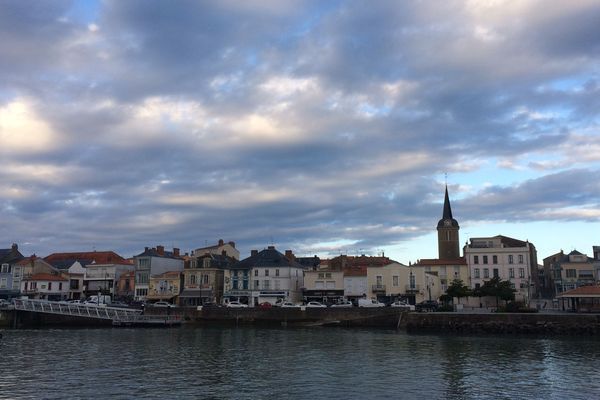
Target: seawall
{"points": [[503, 323]]}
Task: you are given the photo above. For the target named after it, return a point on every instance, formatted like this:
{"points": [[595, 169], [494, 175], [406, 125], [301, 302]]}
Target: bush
{"points": [[517, 307]]}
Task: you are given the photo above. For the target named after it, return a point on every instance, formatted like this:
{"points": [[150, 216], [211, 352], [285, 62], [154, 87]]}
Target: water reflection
{"points": [[248, 363]]}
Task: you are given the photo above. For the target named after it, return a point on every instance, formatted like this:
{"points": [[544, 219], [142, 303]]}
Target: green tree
{"points": [[458, 289], [501, 290]]}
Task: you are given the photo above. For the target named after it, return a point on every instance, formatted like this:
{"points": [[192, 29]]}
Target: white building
{"points": [[509, 259], [273, 276]]}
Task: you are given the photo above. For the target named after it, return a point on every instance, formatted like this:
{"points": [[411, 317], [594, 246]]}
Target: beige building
{"points": [[567, 272], [398, 281], [165, 286], [221, 248], [323, 285], [506, 258], [446, 270]]}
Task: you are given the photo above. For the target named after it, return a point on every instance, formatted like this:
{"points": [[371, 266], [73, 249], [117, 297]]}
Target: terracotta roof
{"points": [[583, 291], [98, 257], [437, 261], [356, 271], [45, 277], [168, 274]]}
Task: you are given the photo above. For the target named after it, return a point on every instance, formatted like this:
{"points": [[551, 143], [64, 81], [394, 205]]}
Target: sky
{"points": [[326, 128]]}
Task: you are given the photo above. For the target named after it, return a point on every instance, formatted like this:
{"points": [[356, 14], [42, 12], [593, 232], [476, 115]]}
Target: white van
{"points": [[369, 303]]}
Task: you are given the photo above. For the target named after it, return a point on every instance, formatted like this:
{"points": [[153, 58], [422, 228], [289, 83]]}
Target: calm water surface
{"points": [[331, 363]]}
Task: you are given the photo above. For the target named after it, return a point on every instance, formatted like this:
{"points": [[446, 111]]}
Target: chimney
{"points": [[175, 251], [232, 244], [253, 253], [145, 248], [221, 242], [15, 247], [289, 255], [160, 250]]}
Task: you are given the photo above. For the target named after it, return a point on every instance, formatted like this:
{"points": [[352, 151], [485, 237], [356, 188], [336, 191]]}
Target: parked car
{"points": [[75, 302], [288, 304], [403, 304], [4, 303], [163, 304], [427, 305], [236, 304], [370, 303], [265, 305], [315, 304], [343, 304]]}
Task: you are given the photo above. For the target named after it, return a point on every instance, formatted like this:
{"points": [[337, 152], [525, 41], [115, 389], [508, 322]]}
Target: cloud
{"points": [[320, 126]]}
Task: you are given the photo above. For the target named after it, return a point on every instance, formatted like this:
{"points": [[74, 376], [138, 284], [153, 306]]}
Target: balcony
{"points": [[412, 288], [378, 288]]}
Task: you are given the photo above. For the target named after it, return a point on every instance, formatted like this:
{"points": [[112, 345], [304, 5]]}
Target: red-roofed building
{"points": [[45, 286], [581, 299]]}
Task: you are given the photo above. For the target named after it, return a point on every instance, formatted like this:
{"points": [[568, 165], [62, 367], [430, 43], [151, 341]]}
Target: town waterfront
{"points": [[252, 363]]}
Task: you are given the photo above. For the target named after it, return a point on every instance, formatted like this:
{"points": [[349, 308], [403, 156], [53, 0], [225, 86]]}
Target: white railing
{"points": [[76, 310]]}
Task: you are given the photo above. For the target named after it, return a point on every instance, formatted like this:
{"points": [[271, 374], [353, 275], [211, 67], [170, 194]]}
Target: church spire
{"points": [[447, 209]]}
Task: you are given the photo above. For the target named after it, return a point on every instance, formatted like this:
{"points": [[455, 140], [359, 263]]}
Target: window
{"points": [[476, 273], [49, 285], [413, 282], [266, 284], [510, 259], [5, 268], [321, 275], [3, 283], [205, 279], [192, 279], [60, 286], [255, 272], [330, 284], [319, 285], [520, 258], [571, 273], [521, 272], [494, 259], [456, 272], [486, 273], [256, 284], [328, 275], [511, 272], [395, 280], [266, 272], [475, 259], [485, 259], [477, 285], [496, 275], [277, 272]]}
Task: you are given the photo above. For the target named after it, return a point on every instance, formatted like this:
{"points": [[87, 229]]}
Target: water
{"points": [[331, 363]]}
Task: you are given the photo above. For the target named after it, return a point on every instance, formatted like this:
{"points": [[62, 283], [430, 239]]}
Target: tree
{"points": [[458, 289], [501, 290]]}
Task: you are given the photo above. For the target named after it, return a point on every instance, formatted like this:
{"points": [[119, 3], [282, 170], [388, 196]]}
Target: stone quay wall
{"points": [[503, 323]]}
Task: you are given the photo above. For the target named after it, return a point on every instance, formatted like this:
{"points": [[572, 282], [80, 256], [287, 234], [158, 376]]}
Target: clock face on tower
{"points": [[447, 222]]}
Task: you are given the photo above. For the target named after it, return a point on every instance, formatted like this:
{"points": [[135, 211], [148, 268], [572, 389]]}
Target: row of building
{"points": [[215, 274]]}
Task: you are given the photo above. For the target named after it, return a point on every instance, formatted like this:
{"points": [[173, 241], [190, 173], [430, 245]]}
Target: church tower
{"points": [[447, 228]]}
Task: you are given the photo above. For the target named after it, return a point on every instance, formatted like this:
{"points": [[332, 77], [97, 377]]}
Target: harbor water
{"points": [[315, 363]]}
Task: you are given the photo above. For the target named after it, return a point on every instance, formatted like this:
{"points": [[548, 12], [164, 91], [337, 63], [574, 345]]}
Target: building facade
{"points": [[564, 272], [506, 258], [397, 281], [9, 284], [154, 261]]}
